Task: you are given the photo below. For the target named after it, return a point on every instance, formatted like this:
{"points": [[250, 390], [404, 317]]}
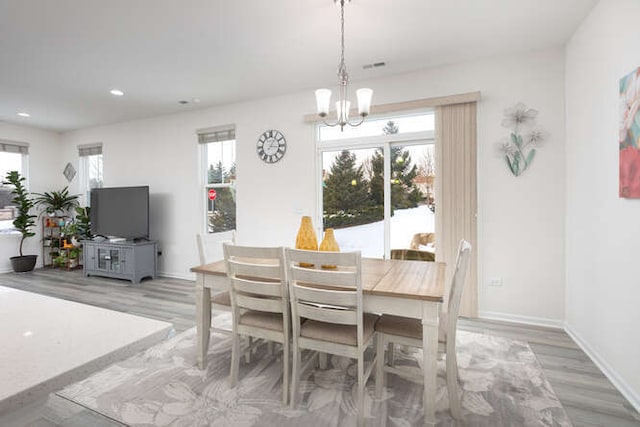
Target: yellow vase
{"points": [[306, 238], [329, 244]]}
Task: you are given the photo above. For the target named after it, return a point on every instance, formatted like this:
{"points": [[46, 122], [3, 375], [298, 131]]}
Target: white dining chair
{"points": [[259, 302], [210, 250], [326, 311], [405, 331]]}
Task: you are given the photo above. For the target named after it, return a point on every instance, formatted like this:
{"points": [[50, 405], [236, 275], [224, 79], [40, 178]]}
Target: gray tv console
{"points": [[121, 260]]}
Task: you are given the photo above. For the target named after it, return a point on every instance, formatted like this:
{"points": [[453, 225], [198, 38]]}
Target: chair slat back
{"points": [[257, 278], [457, 286], [210, 245], [328, 295], [329, 314], [337, 278]]}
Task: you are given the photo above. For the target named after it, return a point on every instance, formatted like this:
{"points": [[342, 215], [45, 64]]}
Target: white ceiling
{"points": [[59, 59]]}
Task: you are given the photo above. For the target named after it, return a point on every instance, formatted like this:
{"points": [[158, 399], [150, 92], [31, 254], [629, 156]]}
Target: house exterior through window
{"points": [[218, 153], [13, 157]]}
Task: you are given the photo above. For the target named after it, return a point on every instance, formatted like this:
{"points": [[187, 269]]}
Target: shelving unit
{"points": [[51, 239], [53, 245]]}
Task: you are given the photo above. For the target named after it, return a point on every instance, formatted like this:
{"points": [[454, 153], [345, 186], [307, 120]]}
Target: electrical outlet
{"points": [[495, 281]]}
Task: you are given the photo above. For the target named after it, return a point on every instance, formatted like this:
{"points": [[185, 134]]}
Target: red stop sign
{"points": [[212, 194]]}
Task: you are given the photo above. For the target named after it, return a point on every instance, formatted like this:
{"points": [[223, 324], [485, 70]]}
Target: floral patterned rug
{"points": [[502, 382]]}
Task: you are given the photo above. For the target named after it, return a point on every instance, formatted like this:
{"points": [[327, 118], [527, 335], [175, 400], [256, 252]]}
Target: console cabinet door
{"points": [[127, 262]]}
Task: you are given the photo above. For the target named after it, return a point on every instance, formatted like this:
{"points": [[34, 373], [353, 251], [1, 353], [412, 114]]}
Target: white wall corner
{"points": [[609, 372]]}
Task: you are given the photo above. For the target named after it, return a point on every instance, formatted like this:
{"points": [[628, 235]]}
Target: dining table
{"points": [[412, 289]]}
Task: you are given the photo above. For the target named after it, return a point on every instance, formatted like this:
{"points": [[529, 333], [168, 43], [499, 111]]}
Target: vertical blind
{"points": [[456, 193]]}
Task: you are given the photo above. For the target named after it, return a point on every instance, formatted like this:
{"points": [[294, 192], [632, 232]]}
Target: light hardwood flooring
{"points": [[586, 394]]}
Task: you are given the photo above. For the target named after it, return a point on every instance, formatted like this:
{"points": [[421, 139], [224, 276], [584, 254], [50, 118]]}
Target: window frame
{"points": [[204, 184], [378, 141], [84, 179], [24, 166]]}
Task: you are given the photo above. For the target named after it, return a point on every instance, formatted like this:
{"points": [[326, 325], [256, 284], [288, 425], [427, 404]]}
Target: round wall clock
{"points": [[271, 146]]}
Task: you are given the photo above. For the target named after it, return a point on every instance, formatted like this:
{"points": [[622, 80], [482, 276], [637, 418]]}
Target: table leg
{"points": [[430, 359], [203, 320]]}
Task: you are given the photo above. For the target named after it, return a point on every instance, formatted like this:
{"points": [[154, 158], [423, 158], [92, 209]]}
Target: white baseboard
{"points": [[527, 320], [622, 386], [181, 276]]}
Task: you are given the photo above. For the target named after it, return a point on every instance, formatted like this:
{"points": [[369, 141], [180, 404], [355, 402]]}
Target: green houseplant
{"points": [[57, 202], [24, 222]]}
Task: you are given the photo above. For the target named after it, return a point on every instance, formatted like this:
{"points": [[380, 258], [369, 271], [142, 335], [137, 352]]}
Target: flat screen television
{"points": [[120, 212]]}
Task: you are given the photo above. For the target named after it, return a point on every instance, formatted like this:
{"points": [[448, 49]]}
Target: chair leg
{"points": [[390, 354], [247, 354], [380, 376], [295, 377], [235, 360], [285, 371], [452, 382], [322, 360], [360, 405]]}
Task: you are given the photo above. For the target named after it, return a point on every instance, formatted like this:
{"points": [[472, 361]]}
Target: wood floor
{"points": [[586, 394]]}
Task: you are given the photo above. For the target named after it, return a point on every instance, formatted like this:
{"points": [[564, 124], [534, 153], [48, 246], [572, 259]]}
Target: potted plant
{"points": [[57, 202], [83, 223], [24, 222], [74, 256]]}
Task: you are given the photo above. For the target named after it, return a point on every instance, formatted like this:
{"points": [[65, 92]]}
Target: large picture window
{"points": [[13, 157], [218, 147], [377, 185]]}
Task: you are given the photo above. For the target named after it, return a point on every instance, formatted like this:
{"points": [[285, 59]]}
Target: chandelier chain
{"points": [[342, 68]]}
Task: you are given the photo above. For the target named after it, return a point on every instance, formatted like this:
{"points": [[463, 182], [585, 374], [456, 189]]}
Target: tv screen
{"points": [[120, 212]]}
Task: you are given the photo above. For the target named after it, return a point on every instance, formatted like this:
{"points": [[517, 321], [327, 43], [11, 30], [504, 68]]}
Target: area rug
{"points": [[502, 382]]}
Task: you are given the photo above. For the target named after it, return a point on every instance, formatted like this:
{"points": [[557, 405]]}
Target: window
{"points": [[377, 184], [218, 149], [13, 157], [90, 174]]}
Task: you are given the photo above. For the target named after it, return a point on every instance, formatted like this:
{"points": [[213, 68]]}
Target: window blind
{"points": [[89, 150], [216, 134], [14, 147]]}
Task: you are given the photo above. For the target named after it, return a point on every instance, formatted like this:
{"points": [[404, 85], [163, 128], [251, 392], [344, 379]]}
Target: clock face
{"points": [[271, 146]]}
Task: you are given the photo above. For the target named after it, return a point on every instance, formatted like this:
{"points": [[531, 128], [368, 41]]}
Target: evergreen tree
{"points": [[345, 187], [223, 215], [404, 193]]}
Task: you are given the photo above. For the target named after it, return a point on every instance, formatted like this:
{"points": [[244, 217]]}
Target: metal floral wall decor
{"points": [[519, 149], [629, 135]]}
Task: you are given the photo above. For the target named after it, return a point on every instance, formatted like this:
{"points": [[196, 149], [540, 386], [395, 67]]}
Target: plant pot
{"points": [[23, 263]]}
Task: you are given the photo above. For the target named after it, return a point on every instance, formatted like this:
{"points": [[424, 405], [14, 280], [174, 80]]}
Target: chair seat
{"points": [[262, 319], [222, 298], [342, 334], [407, 327]]}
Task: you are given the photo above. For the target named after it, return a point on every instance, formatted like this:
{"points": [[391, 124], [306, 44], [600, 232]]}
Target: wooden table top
{"points": [[406, 279]]}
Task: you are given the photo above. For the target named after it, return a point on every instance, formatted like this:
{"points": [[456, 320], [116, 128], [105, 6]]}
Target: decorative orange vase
{"points": [[306, 238], [329, 244]]}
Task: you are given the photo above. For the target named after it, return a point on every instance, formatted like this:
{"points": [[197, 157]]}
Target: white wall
{"points": [[45, 173], [520, 219], [603, 285]]}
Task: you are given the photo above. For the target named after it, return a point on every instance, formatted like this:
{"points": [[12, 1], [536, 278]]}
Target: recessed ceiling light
{"points": [[23, 114], [116, 92]]}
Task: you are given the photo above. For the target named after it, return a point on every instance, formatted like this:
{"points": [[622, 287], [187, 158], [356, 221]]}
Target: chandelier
{"points": [[343, 105]]}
